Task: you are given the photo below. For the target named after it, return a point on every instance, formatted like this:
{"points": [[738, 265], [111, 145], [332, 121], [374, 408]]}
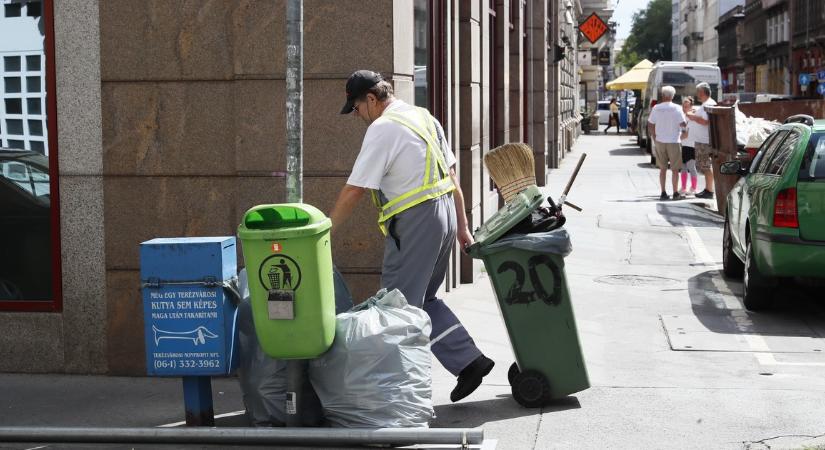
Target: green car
{"points": [[775, 218]]}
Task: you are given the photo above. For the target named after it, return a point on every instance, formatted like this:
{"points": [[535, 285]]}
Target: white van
{"points": [[683, 76]]}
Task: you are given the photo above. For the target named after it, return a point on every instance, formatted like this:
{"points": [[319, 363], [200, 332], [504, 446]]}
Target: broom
{"points": [[512, 168]]}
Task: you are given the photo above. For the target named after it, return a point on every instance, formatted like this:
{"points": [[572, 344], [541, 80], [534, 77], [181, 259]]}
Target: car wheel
{"points": [[731, 264], [531, 389], [757, 289]]}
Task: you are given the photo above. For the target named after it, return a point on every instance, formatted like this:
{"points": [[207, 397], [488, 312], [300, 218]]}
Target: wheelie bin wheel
{"points": [[531, 389], [512, 372]]}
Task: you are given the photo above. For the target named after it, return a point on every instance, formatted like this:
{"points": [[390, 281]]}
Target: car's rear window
{"points": [[604, 106], [813, 166]]}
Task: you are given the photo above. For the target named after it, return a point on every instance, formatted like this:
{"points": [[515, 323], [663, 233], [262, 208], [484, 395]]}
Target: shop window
{"points": [[29, 229]]}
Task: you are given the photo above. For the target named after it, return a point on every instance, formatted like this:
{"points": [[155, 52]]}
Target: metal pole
{"points": [[294, 100], [323, 437], [294, 168]]}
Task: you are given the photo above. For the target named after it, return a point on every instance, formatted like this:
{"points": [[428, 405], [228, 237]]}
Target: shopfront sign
{"points": [[593, 28]]}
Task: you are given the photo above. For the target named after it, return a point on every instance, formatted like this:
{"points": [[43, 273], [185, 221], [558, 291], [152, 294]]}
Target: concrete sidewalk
{"points": [[636, 262]]}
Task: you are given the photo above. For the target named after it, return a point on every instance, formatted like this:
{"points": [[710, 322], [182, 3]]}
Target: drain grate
{"points": [[635, 280]]}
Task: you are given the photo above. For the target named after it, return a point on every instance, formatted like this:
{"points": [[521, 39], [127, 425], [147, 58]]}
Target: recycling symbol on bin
{"points": [[280, 272]]}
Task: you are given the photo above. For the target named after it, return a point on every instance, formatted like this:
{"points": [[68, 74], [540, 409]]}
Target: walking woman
{"points": [[614, 116]]}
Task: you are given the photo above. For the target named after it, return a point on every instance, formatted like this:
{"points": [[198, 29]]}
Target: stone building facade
{"points": [[169, 121]]}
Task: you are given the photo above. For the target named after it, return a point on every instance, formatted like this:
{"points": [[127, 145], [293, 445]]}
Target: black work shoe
{"points": [[678, 196], [664, 196], [705, 194], [470, 378]]}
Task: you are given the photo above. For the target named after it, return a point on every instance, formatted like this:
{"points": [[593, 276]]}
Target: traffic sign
{"points": [[820, 75], [593, 28], [820, 88], [804, 79]]}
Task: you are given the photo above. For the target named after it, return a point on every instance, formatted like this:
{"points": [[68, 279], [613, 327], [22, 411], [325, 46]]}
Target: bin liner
{"points": [[378, 371], [556, 242], [263, 379]]}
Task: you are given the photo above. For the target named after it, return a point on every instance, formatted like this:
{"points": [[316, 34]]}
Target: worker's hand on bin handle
{"points": [[465, 238]]}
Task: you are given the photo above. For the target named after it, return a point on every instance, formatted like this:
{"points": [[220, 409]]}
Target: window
{"points": [[767, 150], [12, 10], [29, 227], [813, 165], [780, 158], [421, 45]]}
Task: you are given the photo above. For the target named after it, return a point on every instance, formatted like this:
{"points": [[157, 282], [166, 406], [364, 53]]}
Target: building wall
{"points": [[171, 123], [72, 340], [710, 40], [675, 27]]}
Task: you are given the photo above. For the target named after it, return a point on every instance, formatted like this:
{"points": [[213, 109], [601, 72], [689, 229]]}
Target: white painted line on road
{"points": [[761, 350], [36, 448], [219, 416]]}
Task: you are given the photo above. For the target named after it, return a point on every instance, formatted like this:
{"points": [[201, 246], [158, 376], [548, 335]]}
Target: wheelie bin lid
{"points": [[506, 218], [283, 221]]}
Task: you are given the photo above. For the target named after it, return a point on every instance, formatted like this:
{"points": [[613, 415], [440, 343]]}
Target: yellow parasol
{"points": [[635, 78]]}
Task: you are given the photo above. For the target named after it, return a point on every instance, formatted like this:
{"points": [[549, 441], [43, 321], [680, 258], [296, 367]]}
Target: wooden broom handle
{"points": [[575, 174]]}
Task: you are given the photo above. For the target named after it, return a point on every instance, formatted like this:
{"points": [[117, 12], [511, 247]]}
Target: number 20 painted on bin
{"points": [[516, 293]]}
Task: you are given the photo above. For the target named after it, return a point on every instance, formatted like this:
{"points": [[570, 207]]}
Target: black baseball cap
{"points": [[357, 85]]}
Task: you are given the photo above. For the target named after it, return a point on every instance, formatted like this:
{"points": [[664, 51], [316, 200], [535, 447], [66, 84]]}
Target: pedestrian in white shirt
{"points": [[704, 152], [665, 126]]}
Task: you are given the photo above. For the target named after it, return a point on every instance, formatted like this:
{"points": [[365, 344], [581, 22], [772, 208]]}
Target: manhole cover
{"points": [[635, 280]]}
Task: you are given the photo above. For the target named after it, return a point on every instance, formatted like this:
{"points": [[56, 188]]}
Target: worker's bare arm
{"points": [[347, 200]]}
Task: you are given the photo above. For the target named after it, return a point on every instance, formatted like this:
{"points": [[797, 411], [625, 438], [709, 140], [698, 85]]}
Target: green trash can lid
{"points": [[507, 217], [281, 221]]}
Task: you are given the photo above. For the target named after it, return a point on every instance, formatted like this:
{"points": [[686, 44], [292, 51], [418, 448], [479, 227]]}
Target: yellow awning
{"points": [[635, 78]]}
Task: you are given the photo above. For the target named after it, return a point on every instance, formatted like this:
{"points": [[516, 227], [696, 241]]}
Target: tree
{"points": [[650, 35]]}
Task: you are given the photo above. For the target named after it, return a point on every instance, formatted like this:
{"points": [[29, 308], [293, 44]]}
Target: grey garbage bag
{"points": [[556, 241], [378, 371], [263, 379]]}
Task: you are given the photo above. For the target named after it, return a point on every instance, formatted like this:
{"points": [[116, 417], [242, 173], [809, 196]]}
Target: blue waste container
{"points": [[188, 309]]}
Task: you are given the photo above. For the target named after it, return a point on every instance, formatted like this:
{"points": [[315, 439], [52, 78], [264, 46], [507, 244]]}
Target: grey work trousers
{"points": [[416, 258]]}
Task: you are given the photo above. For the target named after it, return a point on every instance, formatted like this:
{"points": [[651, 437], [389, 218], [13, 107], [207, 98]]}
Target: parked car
{"points": [[775, 218], [604, 112], [683, 76]]}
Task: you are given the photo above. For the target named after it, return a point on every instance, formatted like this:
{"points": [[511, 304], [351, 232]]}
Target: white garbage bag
{"points": [[378, 371], [263, 379]]}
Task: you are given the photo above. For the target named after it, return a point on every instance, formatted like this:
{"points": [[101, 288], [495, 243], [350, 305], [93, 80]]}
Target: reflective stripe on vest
{"points": [[437, 181]]}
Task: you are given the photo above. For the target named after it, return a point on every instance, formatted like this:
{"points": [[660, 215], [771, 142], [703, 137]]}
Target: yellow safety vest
{"points": [[437, 181]]}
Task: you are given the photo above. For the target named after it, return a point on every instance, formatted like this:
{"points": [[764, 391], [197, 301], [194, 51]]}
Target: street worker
{"points": [[406, 165], [704, 152], [665, 126]]}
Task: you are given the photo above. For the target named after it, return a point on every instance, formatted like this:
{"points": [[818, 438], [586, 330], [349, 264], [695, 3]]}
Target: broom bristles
{"points": [[512, 168]]}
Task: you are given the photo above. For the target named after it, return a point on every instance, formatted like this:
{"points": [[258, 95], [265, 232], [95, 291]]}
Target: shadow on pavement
{"points": [[796, 311], [689, 213], [645, 199], [474, 414], [646, 165], [629, 151]]}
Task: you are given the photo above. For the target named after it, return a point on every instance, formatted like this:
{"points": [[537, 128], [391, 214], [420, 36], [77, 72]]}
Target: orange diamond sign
{"points": [[593, 28]]}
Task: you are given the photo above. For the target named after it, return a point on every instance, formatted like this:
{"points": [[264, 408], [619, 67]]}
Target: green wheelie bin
{"points": [[527, 274], [286, 249]]}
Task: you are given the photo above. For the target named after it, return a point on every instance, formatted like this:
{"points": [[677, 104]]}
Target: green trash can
{"points": [[286, 248], [527, 274]]}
